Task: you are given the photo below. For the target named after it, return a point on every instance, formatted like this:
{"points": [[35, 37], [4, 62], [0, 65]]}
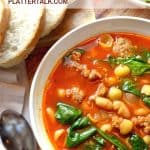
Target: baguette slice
{"points": [[25, 28], [53, 16], [4, 19]]}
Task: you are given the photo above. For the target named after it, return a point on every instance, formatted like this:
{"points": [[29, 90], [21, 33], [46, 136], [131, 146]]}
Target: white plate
{"points": [[1, 146], [113, 24]]}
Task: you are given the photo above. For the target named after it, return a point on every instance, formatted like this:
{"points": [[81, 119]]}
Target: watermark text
{"points": [[37, 1]]}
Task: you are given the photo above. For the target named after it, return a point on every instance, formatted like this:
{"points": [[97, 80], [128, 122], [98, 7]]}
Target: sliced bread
{"points": [[4, 18], [53, 16], [25, 28]]}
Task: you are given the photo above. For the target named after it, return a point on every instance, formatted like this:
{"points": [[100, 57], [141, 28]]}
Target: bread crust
{"points": [[53, 24], [4, 19], [23, 54]]}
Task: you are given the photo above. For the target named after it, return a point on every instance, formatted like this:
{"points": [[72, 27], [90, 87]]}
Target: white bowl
{"points": [[113, 24], [141, 3]]}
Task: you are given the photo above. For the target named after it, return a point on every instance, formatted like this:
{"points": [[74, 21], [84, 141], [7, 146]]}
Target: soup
{"points": [[98, 95]]}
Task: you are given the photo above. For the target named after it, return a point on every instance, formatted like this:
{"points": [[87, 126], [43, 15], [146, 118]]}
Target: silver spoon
{"points": [[15, 132]]}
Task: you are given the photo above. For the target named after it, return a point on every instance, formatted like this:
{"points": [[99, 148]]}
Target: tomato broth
{"points": [[94, 77]]}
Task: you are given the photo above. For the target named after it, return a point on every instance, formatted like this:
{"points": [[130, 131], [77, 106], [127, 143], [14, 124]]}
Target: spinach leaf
{"points": [[99, 140], [112, 139], [81, 129], [67, 114], [80, 123], [118, 60], [92, 147], [130, 87], [145, 56], [147, 1], [146, 100], [97, 143], [81, 51], [137, 143], [136, 64], [75, 138], [137, 67], [122, 60]]}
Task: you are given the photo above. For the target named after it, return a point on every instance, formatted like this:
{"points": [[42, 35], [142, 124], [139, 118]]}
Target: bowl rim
{"points": [[31, 95]]}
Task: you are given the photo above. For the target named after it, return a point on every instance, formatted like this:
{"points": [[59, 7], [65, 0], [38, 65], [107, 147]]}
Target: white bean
{"points": [[146, 89], [104, 103], [51, 114], [126, 127], [106, 127], [58, 134], [122, 71], [114, 93], [121, 109], [61, 93], [146, 139], [141, 111]]}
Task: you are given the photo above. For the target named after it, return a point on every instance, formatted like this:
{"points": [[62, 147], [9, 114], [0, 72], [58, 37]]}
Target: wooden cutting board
{"points": [[143, 13], [14, 88]]}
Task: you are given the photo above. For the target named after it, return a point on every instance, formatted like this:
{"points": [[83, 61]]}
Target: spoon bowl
{"points": [[15, 132]]}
